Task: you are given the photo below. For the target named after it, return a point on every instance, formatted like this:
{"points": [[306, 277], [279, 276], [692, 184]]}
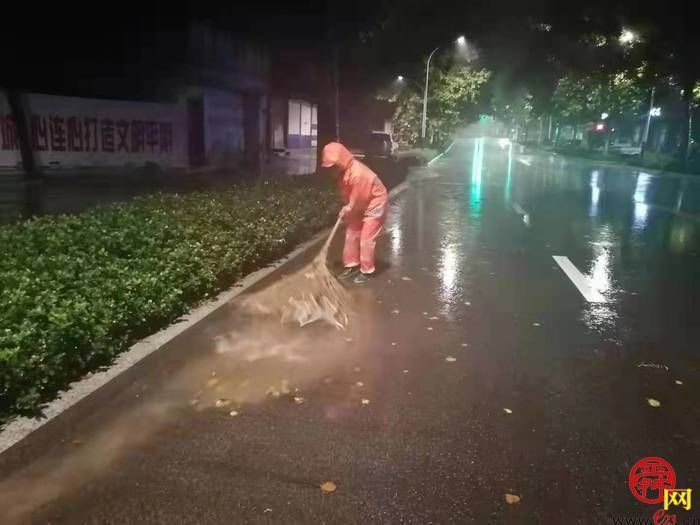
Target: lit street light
{"points": [[399, 78], [461, 41], [628, 37]]}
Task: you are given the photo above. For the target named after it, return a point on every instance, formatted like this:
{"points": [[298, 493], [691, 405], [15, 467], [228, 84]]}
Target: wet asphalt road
{"points": [[470, 316]]}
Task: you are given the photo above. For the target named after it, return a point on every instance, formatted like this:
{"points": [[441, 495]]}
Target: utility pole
{"points": [[336, 89], [327, 111], [645, 137]]}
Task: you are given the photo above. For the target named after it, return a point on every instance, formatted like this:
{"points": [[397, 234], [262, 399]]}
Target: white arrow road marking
{"points": [[580, 281]]}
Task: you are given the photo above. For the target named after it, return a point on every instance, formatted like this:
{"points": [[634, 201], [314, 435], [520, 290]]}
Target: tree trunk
{"points": [[18, 106]]}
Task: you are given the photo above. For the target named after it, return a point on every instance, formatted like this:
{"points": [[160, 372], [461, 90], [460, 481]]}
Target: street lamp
{"points": [[399, 78], [462, 42], [628, 37]]}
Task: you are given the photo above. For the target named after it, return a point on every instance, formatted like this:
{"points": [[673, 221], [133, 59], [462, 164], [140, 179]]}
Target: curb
{"points": [[85, 393], [614, 164]]}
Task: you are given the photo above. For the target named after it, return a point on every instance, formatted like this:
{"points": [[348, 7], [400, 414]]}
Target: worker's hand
{"points": [[344, 212]]}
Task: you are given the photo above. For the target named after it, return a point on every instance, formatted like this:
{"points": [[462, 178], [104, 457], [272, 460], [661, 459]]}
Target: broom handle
{"points": [[324, 251]]}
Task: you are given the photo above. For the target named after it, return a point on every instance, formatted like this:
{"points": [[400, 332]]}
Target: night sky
{"points": [[87, 48]]}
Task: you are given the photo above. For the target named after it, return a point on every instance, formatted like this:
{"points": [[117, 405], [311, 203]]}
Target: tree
{"points": [[582, 98], [454, 96], [407, 117]]}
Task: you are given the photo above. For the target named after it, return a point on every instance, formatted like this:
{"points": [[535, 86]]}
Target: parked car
{"points": [[380, 144]]}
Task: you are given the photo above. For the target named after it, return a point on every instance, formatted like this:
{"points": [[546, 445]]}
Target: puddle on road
{"points": [[257, 360]]}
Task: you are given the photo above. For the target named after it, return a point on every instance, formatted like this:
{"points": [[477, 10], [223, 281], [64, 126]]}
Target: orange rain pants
{"points": [[365, 207]]}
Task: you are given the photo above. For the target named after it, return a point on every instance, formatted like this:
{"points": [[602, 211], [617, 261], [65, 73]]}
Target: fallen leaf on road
{"points": [[379, 301], [357, 369], [425, 313], [405, 371], [450, 359], [393, 344], [512, 499], [507, 410], [233, 413], [467, 303], [360, 384], [465, 344], [652, 365], [679, 382], [433, 318], [406, 278], [222, 402], [299, 400], [653, 402], [267, 510], [430, 328], [212, 383], [536, 324], [395, 312], [328, 487], [365, 401]]}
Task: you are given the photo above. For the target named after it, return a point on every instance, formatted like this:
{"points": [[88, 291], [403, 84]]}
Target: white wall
{"points": [[80, 132]]}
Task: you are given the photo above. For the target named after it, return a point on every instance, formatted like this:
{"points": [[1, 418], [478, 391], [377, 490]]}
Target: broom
{"points": [[310, 294]]}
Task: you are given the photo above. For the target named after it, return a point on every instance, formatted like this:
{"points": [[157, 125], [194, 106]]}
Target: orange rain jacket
{"points": [[362, 191]]}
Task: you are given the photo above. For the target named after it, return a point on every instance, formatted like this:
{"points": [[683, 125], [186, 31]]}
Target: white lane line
{"points": [[580, 281]]}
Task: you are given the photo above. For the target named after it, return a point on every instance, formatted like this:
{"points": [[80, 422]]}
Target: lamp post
{"points": [[424, 121], [462, 42]]}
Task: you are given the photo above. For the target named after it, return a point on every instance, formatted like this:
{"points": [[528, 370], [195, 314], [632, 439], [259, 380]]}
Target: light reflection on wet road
{"points": [[632, 234], [470, 316]]}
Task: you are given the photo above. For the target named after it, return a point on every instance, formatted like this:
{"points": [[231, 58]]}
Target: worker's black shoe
{"points": [[362, 278], [348, 273]]}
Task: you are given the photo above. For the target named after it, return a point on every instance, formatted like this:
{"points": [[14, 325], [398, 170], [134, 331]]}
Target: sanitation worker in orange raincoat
{"points": [[364, 213]]}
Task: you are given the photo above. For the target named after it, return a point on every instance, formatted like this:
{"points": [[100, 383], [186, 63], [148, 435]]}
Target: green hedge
{"points": [[77, 290]]}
